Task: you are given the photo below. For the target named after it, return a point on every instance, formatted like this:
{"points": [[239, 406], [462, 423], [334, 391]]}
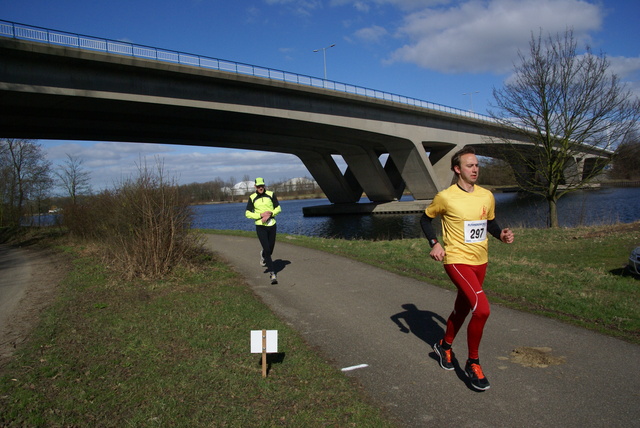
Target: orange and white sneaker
{"points": [[477, 378], [446, 356]]}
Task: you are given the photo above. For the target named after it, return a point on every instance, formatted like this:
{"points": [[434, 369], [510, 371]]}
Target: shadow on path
{"points": [[278, 265], [425, 325]]}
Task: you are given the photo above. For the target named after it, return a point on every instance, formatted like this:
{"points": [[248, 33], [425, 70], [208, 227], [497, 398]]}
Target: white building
{"points": [[293, 185], [240, 189]]}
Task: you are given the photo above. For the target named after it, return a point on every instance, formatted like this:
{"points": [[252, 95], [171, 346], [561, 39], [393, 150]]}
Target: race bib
{"points": [[475, 231]]}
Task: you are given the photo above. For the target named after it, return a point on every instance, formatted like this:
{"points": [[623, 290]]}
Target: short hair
{"points": [[455, 159]]}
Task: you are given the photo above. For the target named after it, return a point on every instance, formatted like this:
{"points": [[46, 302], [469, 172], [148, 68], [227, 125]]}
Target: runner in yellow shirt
{"points": [[467, 212]]}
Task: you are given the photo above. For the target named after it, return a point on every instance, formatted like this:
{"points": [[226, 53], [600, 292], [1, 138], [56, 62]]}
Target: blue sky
{"points": [[435, 50]]}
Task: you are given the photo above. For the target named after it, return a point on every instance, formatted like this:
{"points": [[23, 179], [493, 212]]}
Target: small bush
{"points": [[142, 226], [79, 219]]}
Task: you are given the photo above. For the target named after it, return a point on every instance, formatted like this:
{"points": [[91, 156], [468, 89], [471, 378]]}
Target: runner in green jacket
{"points": [[263, 207]]}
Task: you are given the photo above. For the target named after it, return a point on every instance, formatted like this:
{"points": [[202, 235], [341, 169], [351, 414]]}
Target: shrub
{"points": [[142, 226]]}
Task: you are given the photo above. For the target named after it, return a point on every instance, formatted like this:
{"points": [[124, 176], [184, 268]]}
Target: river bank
{"points": [[592, 207]]}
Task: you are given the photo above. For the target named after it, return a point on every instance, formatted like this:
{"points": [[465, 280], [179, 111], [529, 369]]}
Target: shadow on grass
{"points": [[624, 272], [274, 358]]}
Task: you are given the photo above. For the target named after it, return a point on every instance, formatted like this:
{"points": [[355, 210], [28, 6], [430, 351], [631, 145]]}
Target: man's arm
{"points": [[428, 230], [249, 211], [437, 252], [277, 209]]}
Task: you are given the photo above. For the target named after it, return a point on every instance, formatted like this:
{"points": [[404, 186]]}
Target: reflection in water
{"points": [[587, 207], [513, 209]]}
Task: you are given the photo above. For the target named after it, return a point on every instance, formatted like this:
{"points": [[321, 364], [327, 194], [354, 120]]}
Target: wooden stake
{"points": [[264, 353]]}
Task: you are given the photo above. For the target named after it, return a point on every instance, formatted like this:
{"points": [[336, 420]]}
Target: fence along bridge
{"points": [[56, 85]]}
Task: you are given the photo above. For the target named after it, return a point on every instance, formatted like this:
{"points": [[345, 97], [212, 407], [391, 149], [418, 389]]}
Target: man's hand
{"points": [[265, 216], [437, 252], [506, 236]]}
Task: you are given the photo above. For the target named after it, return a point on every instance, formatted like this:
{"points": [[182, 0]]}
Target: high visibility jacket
{"points": [[258, 204]]}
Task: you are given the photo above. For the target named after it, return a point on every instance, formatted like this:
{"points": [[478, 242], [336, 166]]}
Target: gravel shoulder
{"points": [[29, 281]]}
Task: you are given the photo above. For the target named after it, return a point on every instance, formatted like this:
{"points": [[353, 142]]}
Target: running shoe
{"points": [[446, 356], [262, 263], [274, 280], [477, 378]]}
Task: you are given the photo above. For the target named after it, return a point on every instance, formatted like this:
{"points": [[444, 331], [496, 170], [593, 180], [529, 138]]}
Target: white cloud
{"points": [[624, 67], [299, 7], [628, 70], [371, 34], [365, 5], [485, 36], [110, 163]]}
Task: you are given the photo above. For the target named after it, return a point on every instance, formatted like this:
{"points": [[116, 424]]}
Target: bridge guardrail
{"points": [[54, 37]]}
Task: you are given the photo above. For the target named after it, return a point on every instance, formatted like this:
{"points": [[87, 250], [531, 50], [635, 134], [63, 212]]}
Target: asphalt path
{"points": [[355, 314]]}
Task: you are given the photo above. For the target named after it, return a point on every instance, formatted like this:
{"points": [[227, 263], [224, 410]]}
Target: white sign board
{"points": [[256, 341]]}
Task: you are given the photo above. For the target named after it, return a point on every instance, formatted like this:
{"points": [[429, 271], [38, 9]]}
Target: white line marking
{"points": [[359, 366]]}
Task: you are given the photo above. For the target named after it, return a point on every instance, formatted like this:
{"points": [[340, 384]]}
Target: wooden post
{"points": [[264, 353], [264, 342]]}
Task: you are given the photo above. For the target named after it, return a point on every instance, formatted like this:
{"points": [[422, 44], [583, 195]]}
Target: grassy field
{"points": [[176, 352]]}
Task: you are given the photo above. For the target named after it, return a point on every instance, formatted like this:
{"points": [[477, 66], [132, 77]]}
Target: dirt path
{"points": [[28, 283]]}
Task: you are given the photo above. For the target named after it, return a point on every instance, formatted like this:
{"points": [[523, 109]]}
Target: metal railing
{"points": [[54, 37]]}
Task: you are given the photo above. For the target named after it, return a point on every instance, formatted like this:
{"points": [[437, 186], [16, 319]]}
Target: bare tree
{"points": [[73, 177], [230, 183], [26, 174], [572, 110], [245, 183]]}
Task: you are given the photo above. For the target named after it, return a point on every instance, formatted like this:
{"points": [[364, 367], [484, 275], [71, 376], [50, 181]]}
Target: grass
{"points": [[170, 353], [572, 274]]}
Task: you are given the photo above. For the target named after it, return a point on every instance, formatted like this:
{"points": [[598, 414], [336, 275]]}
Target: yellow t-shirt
{"points": [[464, 223]]}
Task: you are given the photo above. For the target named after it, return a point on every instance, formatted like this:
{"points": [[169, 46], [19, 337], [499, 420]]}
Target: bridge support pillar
{"points": [[338, 188], [415, 169], [574, 170], [440, 157], [367, 169]]}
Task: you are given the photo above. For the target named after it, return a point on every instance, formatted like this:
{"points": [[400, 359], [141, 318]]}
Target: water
{"points": [[603, 206]]}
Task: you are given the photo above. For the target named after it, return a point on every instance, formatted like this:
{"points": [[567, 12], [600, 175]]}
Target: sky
{"points": [[448, 52]]}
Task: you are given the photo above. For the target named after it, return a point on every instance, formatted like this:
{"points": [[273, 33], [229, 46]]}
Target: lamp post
{"points": [[324, 56], [471, 98]]}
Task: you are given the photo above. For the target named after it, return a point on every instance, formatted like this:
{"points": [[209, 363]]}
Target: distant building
{"points": [[240, 189], [299, 184]]}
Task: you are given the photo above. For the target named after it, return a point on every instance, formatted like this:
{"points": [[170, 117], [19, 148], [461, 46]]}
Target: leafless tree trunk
{"points": [[570, 107], [73, 178], [27, 173]]}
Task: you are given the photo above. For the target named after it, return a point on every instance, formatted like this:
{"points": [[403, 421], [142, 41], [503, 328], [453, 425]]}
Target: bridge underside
{"points": [[49, 92], [54, 116]]}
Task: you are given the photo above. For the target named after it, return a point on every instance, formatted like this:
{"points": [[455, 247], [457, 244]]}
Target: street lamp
{"points": [[324, 56], [471, 98]]}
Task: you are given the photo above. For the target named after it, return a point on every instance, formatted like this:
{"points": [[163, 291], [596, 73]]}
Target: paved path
{"points": [[347, 310]]}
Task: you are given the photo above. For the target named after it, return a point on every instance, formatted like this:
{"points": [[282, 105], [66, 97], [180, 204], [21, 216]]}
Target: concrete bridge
{"points": [[53, 91]]}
